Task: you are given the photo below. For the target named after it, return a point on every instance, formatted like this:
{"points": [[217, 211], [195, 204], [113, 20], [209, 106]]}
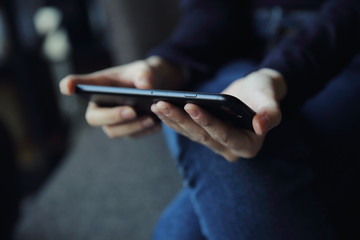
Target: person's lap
{"points": [[179, 220], [272, 196]]}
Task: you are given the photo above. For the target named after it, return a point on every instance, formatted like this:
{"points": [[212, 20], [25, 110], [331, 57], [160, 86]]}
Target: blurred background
{"points": [[61, 179]]}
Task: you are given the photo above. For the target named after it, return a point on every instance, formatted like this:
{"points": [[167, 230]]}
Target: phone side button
{"points": [[189, 95]]}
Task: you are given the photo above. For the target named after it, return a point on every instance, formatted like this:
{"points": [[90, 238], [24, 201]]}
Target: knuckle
{"points": [[204, 122], [222, 137], [235, 146], [179, 120], [202, 137]]}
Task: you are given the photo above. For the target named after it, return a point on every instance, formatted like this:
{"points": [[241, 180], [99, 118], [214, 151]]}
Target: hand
{"points": [[122, 121], [261, 90]]}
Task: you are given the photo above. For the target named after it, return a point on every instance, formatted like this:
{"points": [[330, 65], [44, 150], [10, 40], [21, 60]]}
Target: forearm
{"points": [[319, 51], [209, 33]]}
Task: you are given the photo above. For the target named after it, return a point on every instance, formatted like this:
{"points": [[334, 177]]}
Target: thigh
{"points": [[179, 221], [269, 197], [334, 112], [272, 196], [333, 116]]}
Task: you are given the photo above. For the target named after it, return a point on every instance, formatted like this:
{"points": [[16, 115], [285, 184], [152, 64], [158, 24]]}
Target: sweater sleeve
{"points": [[319, 51], [208, 33]]}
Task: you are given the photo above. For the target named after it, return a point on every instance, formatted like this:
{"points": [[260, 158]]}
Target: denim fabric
{"points": [[273, 196], [302, 185], [335, 110]]}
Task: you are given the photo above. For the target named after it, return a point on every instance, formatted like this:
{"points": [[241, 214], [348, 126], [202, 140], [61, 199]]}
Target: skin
{"points": [[261, 90], [122, 121]]}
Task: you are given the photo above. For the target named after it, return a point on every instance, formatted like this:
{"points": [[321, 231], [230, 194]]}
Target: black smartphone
{"points": [[225, 107]]}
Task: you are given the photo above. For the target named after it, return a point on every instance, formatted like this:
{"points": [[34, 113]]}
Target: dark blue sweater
{"points": [[212, 32], [319, 51]]}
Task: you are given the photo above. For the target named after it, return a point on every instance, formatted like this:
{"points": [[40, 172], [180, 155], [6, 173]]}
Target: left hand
{"points": [[123, 121], [261, 91]]}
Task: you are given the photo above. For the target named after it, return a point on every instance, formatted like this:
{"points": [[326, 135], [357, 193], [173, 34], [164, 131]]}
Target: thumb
{"points": [[67, 85], [266, 119]]}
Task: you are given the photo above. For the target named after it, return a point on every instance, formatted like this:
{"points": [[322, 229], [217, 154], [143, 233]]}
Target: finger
{"points": [[175, 126], [68, 84], [99, 116], [144, 78], [108, 77], [171, 116], [224, 134], [130, 128]]}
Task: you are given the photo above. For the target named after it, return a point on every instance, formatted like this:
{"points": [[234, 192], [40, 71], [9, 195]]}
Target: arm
{"points": [[307, 61], [319, 51], [200, 42], [209, 33]]}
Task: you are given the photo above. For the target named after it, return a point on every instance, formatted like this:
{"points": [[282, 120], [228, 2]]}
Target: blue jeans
{"points": [[280, 194]]}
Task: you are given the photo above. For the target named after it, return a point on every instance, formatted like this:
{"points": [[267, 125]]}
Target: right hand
{"points": [[261, 90], [122, 121]]}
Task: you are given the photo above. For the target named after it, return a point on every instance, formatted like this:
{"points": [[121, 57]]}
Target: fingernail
{"points": [[148, 122], [264, 124], [165, 110], [127, 114], [64, 88]]}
